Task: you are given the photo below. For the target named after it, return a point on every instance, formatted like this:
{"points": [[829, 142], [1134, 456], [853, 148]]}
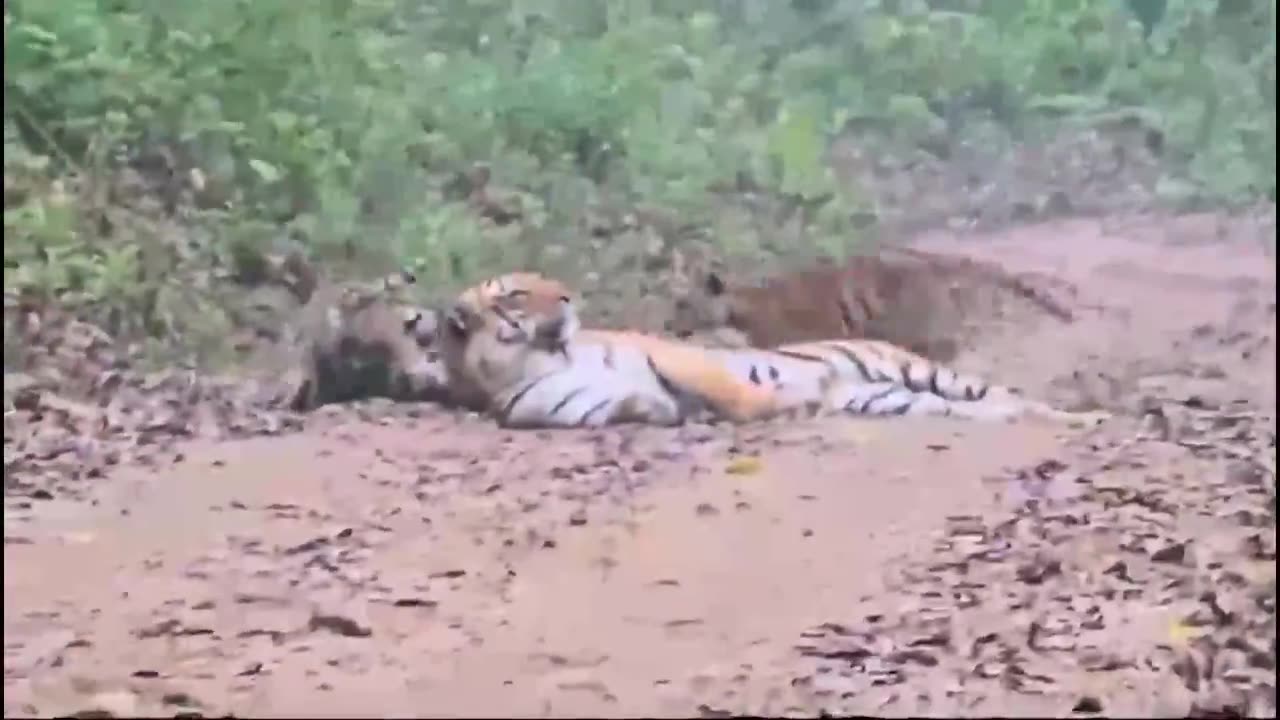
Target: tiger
{"points": [[510, 313], [521, 349], [906, 297], [361, 340]]}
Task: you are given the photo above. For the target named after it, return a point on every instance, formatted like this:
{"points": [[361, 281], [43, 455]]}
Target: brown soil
{"points": [[408, 561]]}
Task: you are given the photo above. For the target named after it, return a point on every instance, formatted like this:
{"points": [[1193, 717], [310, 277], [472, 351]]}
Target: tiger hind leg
{"points": [[1015, 406], [888, 398]]}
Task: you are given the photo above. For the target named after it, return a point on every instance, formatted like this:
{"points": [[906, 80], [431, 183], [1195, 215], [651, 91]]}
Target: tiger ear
{"points": [[715, 284], [558, 330]]}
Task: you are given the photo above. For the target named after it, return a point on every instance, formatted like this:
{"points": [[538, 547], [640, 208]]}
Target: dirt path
{"points": [[434, 565]]}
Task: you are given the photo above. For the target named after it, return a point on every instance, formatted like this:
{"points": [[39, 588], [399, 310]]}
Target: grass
{"points": [[154, 151]]}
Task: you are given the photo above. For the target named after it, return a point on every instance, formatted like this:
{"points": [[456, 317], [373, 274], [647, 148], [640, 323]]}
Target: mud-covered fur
{"points": [[358, 340]]}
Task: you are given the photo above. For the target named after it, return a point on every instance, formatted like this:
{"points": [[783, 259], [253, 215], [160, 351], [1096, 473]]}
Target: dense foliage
{"points": [[150, 143]]}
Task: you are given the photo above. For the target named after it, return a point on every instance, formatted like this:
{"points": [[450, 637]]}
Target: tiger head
{"points": [[503, 330]]}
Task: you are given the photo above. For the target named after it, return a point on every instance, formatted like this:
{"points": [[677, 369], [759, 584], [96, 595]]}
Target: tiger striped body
{"points": [[605, 387], [527, 356]]}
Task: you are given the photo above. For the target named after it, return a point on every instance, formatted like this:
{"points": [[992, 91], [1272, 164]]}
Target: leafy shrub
{"points": [[149, 144]]}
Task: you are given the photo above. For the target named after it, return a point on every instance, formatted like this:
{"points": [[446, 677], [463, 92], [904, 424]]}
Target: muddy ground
{"points": [[410, 561]]}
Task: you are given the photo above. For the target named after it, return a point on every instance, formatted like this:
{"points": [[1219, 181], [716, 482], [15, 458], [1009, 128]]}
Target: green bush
{"points": [[146, 139]]}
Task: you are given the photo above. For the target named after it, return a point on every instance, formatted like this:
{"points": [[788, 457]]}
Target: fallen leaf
{"points": [[744, 465], [79, 538], [1181, 634]]}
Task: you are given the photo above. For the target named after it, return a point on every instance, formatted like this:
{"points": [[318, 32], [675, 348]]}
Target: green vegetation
{"points": [[153, 148]]}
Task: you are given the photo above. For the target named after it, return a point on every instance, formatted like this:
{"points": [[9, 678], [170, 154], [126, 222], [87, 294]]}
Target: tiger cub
{"points": [[357, 341], [906, 297], [522, 350]]}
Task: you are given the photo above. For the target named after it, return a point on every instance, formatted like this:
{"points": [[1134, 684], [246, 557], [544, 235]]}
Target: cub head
{"points": [[701, 305], [708, 311], [704, 307], [503, 330], [700, 299], [370, 339]]}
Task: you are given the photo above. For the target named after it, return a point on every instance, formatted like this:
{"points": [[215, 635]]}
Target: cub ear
{"points": [[398, 279], [458, 319], [421, 325], [351, 298], [715, 284]]}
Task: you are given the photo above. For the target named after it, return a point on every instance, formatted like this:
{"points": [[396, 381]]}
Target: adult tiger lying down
{"points": [[518, 346]]}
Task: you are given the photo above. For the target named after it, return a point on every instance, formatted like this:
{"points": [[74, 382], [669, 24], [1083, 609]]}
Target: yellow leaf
{"points": [[859, 436], [744, 465], [1180, 633]]}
